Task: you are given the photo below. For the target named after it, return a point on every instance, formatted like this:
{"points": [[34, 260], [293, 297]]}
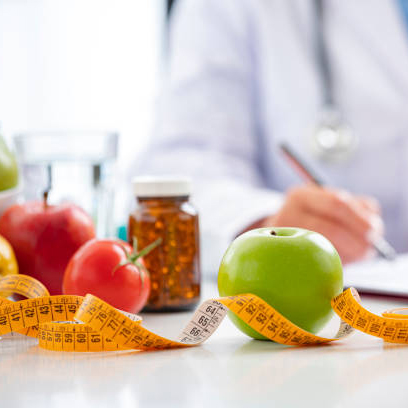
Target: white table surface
{"points": [[228, 370]]}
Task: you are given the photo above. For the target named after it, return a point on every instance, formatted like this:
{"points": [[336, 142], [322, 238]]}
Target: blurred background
{"points": [[74, 65]]}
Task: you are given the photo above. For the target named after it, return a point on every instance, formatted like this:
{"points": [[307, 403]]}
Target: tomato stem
{"points": [[134, 242], [135, 255]]}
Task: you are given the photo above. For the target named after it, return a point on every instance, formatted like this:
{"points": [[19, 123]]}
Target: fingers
{"points": [[365, 202], [369, 209], [349, 246], [369, 203], [340, 208], [351, 223]]}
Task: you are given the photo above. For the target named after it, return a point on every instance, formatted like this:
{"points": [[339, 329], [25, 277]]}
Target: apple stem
{"points": [[45, 198], [48, 189], [273, 232]]}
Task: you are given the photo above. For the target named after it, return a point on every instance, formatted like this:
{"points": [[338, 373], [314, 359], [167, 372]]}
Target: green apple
{"points": [[294, 270], [8, 167]]}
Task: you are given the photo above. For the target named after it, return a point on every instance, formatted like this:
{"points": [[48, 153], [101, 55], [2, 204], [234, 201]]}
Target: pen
{"points": [[383, 248]]}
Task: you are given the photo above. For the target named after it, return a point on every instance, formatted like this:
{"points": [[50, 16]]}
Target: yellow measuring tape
{"points": [[74, 323]]}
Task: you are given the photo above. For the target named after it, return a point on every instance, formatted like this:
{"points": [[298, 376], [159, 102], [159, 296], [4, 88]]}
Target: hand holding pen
{"points": [[352, 223]]}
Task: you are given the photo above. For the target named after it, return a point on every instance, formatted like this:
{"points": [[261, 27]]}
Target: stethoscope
{"points": [[332, 140]]}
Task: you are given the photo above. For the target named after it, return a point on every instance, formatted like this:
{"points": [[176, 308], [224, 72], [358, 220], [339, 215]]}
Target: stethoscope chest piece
{"points": [[332, 140]]}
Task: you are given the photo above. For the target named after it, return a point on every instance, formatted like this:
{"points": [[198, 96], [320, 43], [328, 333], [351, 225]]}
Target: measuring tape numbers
{"points": [[75, 323], [21, 285], [392, 326]]}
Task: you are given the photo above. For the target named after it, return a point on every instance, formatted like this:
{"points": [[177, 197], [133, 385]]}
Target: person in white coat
{"points": [[245, 75]]}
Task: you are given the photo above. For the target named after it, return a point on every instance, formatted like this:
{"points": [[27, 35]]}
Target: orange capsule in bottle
{"points": [[163, 210]]}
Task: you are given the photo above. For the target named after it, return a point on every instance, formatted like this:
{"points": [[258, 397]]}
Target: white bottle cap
{"points": [[161, 186]]}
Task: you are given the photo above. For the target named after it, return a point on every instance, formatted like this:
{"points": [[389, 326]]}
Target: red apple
{"points": [[44, 237]]}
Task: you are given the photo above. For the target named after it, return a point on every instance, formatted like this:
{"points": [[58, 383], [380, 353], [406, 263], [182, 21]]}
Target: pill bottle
{"points": [[163, 210]]}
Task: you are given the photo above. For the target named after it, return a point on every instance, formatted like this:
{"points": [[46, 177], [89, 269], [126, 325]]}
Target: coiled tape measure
{"points": [[75, 323]]}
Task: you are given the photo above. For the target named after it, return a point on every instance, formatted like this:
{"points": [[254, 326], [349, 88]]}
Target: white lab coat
{"points": [[243, 77]]}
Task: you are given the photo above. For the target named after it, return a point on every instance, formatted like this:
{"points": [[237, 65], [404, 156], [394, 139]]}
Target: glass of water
{"points": [[79, 167]]}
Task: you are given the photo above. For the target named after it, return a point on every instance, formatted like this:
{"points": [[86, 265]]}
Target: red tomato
{"points": [[108, 269]]}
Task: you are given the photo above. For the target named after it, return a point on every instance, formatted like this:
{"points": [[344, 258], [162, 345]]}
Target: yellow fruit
{"points": [[8, 262]]}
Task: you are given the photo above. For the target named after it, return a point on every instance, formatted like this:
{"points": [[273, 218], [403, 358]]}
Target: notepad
{"points": [[379, 276]]}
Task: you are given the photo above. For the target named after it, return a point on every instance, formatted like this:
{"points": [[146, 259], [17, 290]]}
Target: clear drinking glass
{"points": [[78, 166]]}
